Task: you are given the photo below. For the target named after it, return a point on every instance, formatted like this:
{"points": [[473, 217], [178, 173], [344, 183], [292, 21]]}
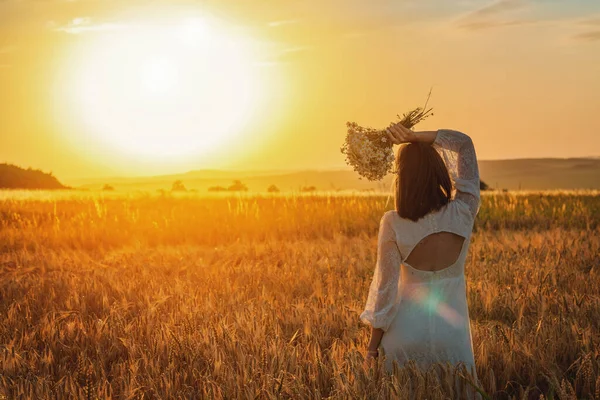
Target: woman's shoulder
{"points": [[454, 209], [387, 217], [456, 216], [394, 220]]}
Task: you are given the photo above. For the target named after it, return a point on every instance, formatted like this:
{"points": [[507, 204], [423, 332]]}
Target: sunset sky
{"points": [[269, 84]]}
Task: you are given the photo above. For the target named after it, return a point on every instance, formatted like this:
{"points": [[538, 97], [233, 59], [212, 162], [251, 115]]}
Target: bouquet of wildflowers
{"points": [[369, 151]]}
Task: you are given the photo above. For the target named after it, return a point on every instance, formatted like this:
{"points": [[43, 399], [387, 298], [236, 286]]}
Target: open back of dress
{"points": [[436, 251]]}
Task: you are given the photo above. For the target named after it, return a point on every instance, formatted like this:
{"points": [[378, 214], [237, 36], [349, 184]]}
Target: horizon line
{"points": [[296, 170]]}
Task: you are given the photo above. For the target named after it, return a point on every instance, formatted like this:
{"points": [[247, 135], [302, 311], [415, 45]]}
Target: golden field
{"points": [[131, 296]]}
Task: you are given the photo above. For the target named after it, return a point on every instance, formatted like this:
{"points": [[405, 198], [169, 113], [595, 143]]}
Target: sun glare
{"points": [[165, 90], [159, 77]]}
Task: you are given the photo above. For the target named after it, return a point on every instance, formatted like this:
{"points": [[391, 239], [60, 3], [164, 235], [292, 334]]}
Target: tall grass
{"points": [[92, 222], [137, 296]]}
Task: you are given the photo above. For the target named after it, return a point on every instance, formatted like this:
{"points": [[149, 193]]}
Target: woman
{"points": [[417, 304]]}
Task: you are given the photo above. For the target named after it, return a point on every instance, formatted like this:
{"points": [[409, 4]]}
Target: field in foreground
{"points": [[258, 297]]}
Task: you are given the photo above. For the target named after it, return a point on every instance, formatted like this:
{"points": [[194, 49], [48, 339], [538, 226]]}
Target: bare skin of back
{"points": [[436, 251]]}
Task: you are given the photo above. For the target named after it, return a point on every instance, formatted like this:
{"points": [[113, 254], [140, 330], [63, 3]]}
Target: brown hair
{"points": [[422, 180]]}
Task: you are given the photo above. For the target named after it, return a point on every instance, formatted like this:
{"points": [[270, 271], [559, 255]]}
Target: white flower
{"points": [[364, 152]]}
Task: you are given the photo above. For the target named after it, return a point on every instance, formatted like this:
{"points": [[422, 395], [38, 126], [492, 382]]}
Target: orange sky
{"points": [[522, 77]]}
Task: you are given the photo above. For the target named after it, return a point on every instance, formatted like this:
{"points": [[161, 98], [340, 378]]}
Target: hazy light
{"points": [[194, 30], [167, 90], [159, 76]]}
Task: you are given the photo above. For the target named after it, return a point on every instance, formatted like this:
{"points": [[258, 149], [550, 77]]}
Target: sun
{"points": [[167, 90]]}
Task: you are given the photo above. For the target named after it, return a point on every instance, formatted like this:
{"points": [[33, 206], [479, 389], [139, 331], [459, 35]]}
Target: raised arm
{"points": [[458, 153], [382, 301]]}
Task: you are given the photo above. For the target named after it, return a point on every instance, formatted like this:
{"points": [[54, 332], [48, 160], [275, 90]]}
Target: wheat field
{"points": [[138, 296]]}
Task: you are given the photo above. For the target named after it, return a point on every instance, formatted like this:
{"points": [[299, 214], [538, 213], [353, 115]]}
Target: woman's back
{"points": [[436, 251], [434, 243]]}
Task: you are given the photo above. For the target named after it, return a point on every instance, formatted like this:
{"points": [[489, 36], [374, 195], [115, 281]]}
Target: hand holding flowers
{"points": [[369, 151], [398, 134]]}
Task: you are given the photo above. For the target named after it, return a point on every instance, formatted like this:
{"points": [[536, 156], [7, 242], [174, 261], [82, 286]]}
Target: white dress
{"points": [[424, 314]]}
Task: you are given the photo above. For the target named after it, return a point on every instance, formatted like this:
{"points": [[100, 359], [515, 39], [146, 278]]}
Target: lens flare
{"points": [[432, 301]]}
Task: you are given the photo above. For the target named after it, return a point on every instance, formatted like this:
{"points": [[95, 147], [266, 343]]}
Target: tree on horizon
{"points": [[178, 186], [238, 186]]}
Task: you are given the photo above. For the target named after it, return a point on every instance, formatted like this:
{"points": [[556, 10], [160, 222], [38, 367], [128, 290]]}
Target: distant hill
{"points": [[525, 174], [13, 177], [542, 173]]}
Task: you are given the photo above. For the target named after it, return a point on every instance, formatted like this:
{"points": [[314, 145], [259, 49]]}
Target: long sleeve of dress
{"points": [[458, 153], [383, 298]]}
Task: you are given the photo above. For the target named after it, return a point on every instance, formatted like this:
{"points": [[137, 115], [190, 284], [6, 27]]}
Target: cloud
{"points": [[84, 24], [592, 33], [296, 49], [593, 21], [284, 56], [495, 8], [493, 15], [480, 25], [275, 24], [589, 36]]}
